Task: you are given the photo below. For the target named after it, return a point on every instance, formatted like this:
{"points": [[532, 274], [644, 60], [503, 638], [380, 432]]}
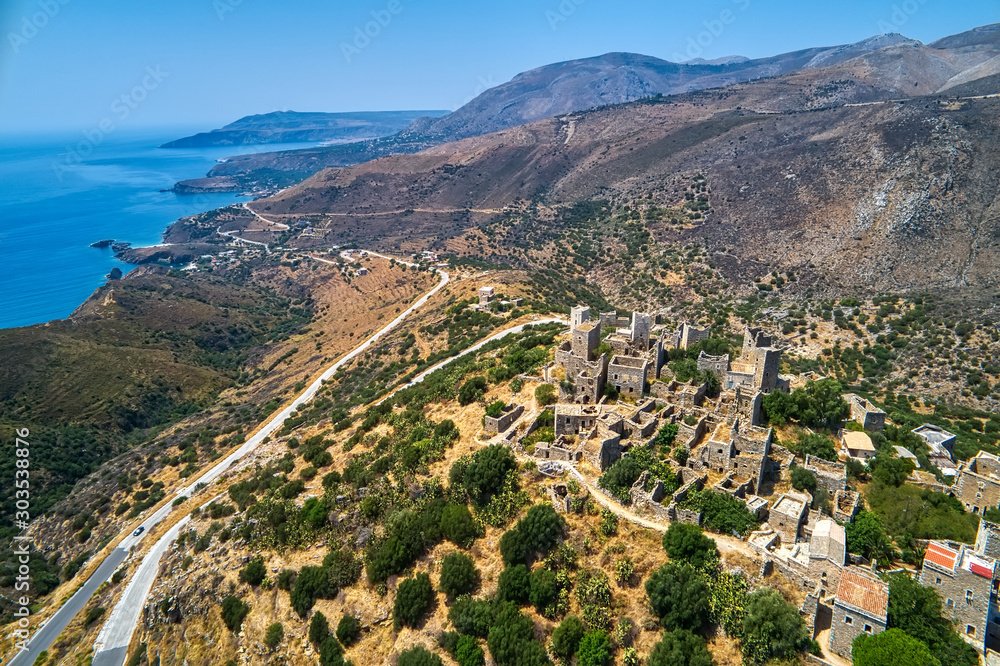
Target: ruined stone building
{"points": [[788, 515], [578, 315], [988, 539], [738, 450], [940, 447], [486, 296], [965, 581], [758, 364], [586, 371], [687, 335], [860, 607], [748, 405], [863, 412], [832, 476], [978, 484], [717, 365], [628, 374], [508, 414], [612, 320], [605, 432], [813, 564], [846, 505]]}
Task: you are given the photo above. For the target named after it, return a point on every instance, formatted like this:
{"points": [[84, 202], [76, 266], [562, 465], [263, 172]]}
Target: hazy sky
{"points": [[66, 64]]}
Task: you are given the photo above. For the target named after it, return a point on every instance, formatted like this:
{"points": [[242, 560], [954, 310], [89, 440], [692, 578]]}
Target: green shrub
{"points": [[721, 512], [817, 445], [535, 533], [275, 633], [468, 652], [311, 584], [514, 584], [803, 479], [680, 648], [772, 628], [286, 579], [414, 597], [458, 574], [254, 572], [566, 637], [545, 394], [511, 639], [418, 656], [679, 596], [483, 474], [544, 589], [458, 526], [331, 653], [348, 630], [894, 647], [866, 536], [688, 543], [471, 390], [319, 629], [233, 613], [472, 617], [595, 649]]}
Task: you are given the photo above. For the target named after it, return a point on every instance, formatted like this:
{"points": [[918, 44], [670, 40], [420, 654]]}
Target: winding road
{"points": [[116, 633]]}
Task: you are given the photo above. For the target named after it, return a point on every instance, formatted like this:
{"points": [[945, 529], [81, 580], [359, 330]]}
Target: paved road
{"points": [[47, 634], [112, 642], [232, 234], [474, 348], [116, 633]]}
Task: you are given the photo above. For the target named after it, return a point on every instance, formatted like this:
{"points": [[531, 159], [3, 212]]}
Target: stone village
{"points": [[730, 452]]}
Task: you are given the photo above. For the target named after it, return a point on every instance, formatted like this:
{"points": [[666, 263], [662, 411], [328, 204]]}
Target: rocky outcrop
{"points": [[171, 254]]}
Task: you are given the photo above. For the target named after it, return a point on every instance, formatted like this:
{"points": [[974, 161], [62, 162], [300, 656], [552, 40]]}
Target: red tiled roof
{"points": [[980, 570], [869, 594], [941, 555]]}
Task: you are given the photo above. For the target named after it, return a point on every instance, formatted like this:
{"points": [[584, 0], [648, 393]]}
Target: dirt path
{"points": [[726, 544]]}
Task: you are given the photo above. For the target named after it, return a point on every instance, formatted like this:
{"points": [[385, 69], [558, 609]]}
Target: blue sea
{"points": [[60, 193]]}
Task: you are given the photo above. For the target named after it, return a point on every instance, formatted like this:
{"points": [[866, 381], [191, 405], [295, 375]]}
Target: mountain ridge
{"points": [[878, 68], [298, 126]]}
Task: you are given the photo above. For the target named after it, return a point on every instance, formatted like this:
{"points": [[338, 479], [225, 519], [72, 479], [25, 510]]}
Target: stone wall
{"points": [[511, 413], [843, 633], [717, 365], [829, 475]]}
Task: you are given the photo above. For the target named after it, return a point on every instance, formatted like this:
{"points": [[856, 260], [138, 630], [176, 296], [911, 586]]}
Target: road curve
{"points": [[120, 625], [116, 633]]}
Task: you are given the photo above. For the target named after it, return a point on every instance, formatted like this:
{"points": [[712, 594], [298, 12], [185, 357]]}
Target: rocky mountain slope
{"points": [[879, 68], [295, 126], [881, 195]]}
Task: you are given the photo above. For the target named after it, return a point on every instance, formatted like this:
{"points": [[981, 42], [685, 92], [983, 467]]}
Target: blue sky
{"points": [[65, 64]]}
